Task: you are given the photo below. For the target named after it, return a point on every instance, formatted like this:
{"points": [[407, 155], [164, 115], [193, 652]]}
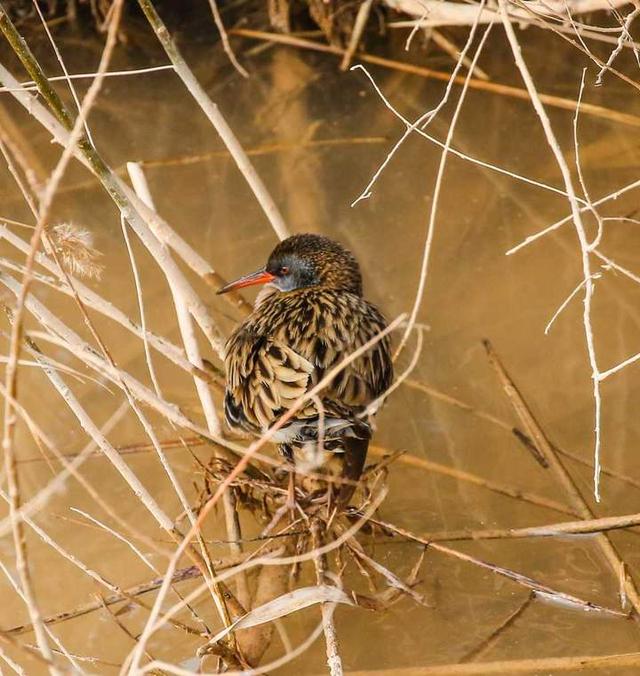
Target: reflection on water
{"points": [[316, 136]]}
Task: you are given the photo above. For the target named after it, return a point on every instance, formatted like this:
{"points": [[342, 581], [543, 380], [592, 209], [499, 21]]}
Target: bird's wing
{"points": [[264, 379], [341, 328], [268, 371]]}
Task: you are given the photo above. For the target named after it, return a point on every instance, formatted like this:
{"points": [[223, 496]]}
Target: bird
{"points": [[308, 317]]}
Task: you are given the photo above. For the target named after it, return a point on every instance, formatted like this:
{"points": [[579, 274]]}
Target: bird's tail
{"points": [[355, 455]]}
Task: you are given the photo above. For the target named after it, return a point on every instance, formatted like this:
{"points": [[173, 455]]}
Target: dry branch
{"points": [[436, 13], [474, 83], [213, 113], [539, 588], [600, 525], [577, 500]]}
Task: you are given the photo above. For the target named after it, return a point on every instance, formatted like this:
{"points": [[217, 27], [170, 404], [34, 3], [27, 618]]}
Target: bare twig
{"points": [[436, 192], [334, 662], [452, 50], [523, 580], [577, 501], [212, 112], [580, 231], [493, 87], [356, 34], [225, 38]]}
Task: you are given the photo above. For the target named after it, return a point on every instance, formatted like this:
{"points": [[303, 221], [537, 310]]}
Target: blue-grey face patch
{"points": [[301, 273]]}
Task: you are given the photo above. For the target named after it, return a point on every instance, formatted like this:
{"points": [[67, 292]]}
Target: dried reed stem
{"points": [[452, 50], [211, 110], [356, 33], [437, 187], [575, 497], [192, 349], [468, 477], [579, 227], [143, 220], [92, 299], [334, 661], [445, 13], [525, 581], [22, 50], [217, 18], [600, 525], [493, 87]]}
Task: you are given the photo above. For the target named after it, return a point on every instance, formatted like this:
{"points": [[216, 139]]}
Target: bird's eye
{"points": [[284, 270]]}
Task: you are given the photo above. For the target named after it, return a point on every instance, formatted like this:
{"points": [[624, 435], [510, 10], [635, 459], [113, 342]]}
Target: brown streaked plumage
{"points": [[310, 316]]}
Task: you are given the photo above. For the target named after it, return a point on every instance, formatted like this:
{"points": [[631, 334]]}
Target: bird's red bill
{"points": [[259, 277]]}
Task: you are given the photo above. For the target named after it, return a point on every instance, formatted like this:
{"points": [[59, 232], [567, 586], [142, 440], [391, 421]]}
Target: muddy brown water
{"points": [[317, 136]]}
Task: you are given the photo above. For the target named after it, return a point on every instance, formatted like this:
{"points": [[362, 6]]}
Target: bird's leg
{"points": [[355, 454], [287, 453], [291, 490]]}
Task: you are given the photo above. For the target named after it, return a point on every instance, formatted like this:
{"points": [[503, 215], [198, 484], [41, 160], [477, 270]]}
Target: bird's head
{"points": [[304, 261]]}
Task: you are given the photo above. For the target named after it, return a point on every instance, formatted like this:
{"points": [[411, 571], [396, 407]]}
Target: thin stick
{"points": [[225, 38], [436, 191], [566, 301], [30, 84], [624, 36], [576, 145], [182, 312], [567, 219], [141, 311], [204, 394], [577, 501], [334, 661], [180, 575], [452, 50], [13, 665], [600, 525], [215, 116], [493, 87], [60, 60], [523, 580], [356, 33], [580, 232], [467, 477]]}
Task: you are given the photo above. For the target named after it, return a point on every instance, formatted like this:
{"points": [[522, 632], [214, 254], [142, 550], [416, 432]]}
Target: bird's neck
{"points": [[265, 293]]}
